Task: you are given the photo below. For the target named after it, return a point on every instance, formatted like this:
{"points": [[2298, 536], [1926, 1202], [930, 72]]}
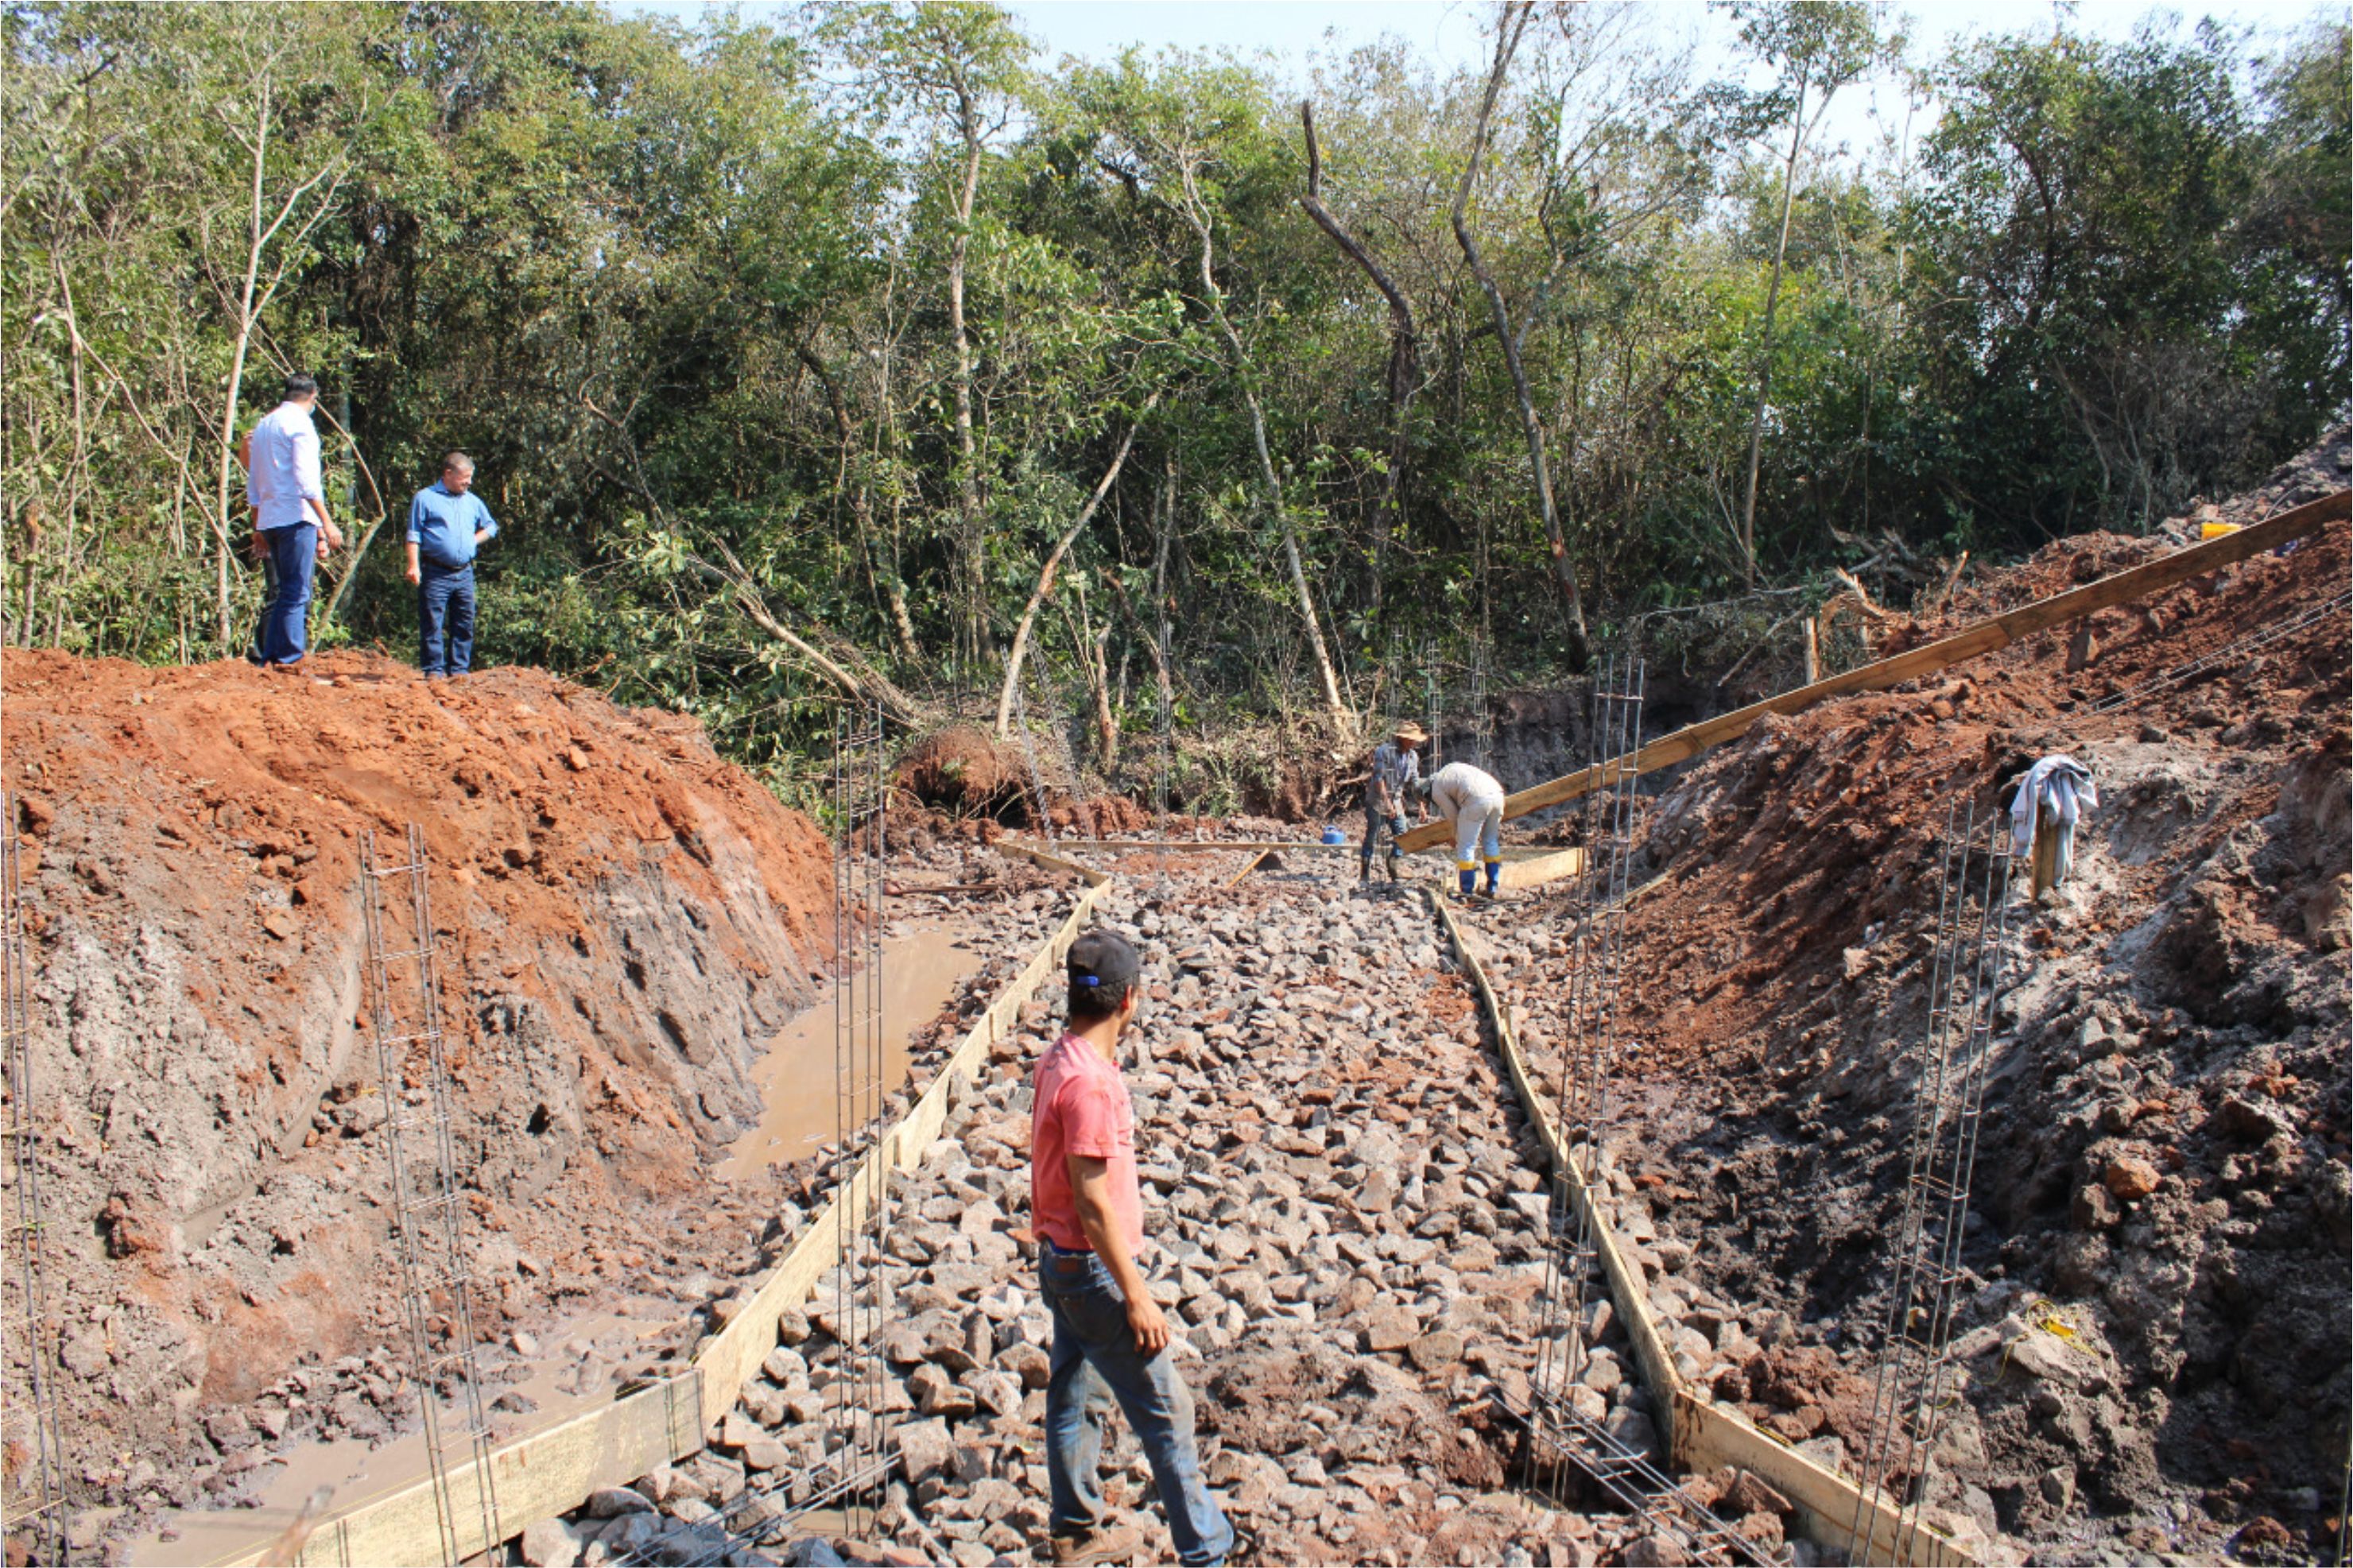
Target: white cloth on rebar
{"points": [[2062, 787], [1472, 800]]}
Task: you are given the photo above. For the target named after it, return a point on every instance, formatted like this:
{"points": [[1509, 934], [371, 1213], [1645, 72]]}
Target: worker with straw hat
{"points": [[1396, 768]]}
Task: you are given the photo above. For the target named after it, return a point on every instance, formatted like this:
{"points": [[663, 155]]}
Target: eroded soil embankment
{"points": [[2163, 1169], [623, 921]]}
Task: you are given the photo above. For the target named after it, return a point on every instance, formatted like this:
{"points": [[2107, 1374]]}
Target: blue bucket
{"points": [[1333, 836]]}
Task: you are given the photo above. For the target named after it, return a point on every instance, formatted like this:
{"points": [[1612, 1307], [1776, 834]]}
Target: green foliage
{"points": [[684, 295]]}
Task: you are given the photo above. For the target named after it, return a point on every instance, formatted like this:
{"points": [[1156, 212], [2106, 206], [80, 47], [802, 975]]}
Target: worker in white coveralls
{"points": [[1473, 801]]}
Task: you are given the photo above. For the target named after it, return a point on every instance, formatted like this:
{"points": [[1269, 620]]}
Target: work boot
{"points": [[1394, 873], [1366, 874], [1112, 1542], [1467, 882]]}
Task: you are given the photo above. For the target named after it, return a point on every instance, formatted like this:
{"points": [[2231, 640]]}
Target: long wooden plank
{"points": [[1970, 642], [1630, 1294], [1702, 1436], [552, 1472], [1708, 1438]]}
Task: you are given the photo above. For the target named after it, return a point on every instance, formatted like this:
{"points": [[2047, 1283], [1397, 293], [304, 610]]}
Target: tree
{"points": [[1816, 46]]}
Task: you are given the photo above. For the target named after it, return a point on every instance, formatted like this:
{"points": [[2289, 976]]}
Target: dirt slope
{"points": [[2163, 1168], [622, 919]]}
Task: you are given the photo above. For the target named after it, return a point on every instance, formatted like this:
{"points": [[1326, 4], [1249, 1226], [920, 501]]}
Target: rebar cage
{"points": [[36, 1509], [429, 1179], [1916, 1386]]}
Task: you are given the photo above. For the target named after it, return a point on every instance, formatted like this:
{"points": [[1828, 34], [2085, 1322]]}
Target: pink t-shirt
{"points": [[1080, 1105]]}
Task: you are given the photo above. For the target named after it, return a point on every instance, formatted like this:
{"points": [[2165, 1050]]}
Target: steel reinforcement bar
{"points": [[553, 1471], [1702, 1436]]}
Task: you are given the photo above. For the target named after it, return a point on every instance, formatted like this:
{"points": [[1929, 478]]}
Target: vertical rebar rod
{"points": [[857, 1429], [427, 1198], [1429, 702], [1588, 1051], [1914, 1388], [37, 1511]]}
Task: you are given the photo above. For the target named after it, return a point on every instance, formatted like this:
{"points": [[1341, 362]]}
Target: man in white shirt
{"points": [[289, 498], [1473, 801]]}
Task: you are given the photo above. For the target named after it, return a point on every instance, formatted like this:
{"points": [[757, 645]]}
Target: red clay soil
{"points": [[623, 920], [2164, 1153]]}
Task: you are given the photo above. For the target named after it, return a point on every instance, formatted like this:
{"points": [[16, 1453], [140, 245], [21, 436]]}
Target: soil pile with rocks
{"points": [[1346, 1209], [623, 920], [2154, 1328]]}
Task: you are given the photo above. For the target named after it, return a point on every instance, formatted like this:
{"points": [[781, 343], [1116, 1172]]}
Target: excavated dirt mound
{"points": [[2154, 1324], [965, 772], [623, 918]]}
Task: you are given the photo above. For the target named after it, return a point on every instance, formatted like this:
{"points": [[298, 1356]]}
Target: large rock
{"points": [[1389, 1328], [550, 1544], [924, 1448], [612, 1502]]}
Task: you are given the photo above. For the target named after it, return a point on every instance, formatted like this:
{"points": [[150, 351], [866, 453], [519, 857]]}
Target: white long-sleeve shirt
{"points": [[1459, 789], [285, 472]]}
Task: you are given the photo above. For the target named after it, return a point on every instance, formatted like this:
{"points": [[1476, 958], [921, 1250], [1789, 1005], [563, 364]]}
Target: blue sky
{"points": [[1447, 31]]}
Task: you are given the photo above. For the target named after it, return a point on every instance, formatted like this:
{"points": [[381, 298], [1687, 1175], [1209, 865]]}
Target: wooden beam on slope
{"points": [[1983, 637]]}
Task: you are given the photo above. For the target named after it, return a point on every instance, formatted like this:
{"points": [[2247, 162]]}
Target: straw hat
{"points": [[1413, 732]]}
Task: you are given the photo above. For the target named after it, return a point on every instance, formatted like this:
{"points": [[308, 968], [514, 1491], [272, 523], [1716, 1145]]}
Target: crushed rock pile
{"points": [[1346, 1212]]}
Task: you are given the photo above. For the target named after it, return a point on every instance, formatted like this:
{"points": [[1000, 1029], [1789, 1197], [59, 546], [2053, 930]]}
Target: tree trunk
{"points": [[862, 503], [1747, 541], [1335, 708], [1404, 367], [223, 528], [1510, 26], [1021, 648], [1092, 646], [968, 462]]}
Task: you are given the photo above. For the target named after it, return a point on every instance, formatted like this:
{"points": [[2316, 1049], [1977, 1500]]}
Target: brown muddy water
{"points": [[921, 967]]}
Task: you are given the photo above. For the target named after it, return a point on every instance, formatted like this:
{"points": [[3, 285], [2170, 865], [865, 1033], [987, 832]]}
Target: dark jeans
{"points": [[1375, 824], [444, 607], [293, 561], [1094, 1361]]}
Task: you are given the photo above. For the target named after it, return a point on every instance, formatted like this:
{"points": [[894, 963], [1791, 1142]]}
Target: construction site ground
{"points": [[2154, 1326]]}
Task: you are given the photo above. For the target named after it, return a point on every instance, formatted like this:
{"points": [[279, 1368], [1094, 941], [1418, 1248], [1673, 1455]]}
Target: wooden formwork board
{"points": [[1700, 1434], [1628, 1293], [553, 1471], [1982, 637], [1535, 871]]}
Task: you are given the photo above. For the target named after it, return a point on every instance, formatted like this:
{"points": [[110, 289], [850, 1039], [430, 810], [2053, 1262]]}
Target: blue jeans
{"points": [[1094, 1361], [293, 561], [444, 607]]}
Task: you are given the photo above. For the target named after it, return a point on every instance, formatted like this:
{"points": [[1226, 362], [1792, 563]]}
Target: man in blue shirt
{"points": [[447, 523]]}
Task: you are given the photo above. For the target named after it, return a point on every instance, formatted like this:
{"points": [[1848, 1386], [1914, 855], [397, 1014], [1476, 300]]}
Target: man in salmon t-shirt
{"points": [[1110, 1337]]}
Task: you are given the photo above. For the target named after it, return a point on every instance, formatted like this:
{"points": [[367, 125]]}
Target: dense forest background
{"points": [[865, 348]]}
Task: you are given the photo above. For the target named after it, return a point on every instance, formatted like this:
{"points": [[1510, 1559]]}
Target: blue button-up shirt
{"points": [[442, 526], [284, 450]]}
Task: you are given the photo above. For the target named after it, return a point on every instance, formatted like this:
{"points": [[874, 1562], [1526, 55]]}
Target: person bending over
{"points": [[1473, 801]]}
